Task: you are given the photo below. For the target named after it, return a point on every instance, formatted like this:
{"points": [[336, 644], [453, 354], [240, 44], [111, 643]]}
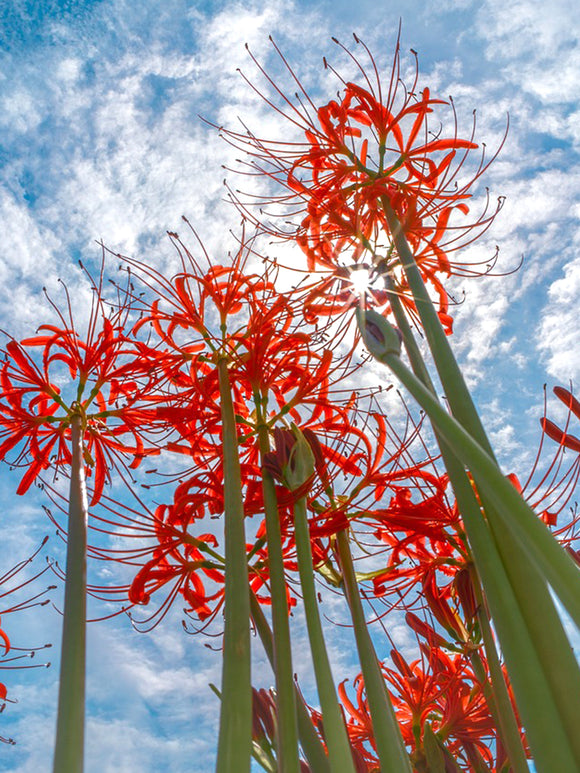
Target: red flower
{"points": [[105, 381], [370, 146]]}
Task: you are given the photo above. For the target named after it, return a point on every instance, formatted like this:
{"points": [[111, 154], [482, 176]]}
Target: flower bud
{"points": [[380, 337], [293, 461]]}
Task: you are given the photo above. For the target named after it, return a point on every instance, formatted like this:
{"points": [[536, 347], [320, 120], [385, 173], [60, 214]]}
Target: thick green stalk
{"points": [[554, 748], [527, 579], [70, 729], [235, 736], [496, 692], [309, 740], [506, 612], [389, 742], [449, 372], [288, 761], [510, 734], [339, 752]]}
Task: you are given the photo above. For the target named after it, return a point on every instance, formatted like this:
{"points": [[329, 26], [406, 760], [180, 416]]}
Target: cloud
{"points": [[539, 49], [559, 329]]}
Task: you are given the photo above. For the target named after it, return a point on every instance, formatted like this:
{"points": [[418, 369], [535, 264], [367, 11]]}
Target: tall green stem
{"points": [[390, 747], [70, 729], [549, 733], [287, 728], [528, 579], [496, 694], [309, 740], [235, 736], [339, 752], [510, 734]]}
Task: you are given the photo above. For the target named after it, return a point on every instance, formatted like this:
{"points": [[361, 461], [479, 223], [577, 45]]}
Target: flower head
{"points": [[49, 378], [372, 145]]}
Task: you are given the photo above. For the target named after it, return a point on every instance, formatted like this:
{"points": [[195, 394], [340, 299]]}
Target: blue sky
{"points": [[100, 139]]}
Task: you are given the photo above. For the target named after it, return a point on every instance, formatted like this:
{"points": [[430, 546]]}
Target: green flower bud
{"points": [[380, 337]]}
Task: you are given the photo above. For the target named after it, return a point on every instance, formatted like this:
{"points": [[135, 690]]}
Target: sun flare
{"points": [[361, 279]]}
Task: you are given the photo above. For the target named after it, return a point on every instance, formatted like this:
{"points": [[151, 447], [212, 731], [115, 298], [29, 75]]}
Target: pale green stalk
{"points": [[510, 734], [309, 740], [389, 742], [70, 728], [235, 735], [288, 761], [339, 752], [527, 579], [496, 693], [554, 747]]}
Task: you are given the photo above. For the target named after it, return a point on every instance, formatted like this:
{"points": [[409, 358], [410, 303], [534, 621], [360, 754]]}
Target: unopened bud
{"points": [[293, 461], [380, 337], [301, 465], [466, 593]]}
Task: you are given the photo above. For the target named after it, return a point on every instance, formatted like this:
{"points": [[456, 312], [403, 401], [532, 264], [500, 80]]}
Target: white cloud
{"points": [[560, 328], [538, 43]]}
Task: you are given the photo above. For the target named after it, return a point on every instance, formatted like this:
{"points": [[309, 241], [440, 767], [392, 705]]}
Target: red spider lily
{"points": [[107, 383], [173, 563], [423, 533], [181, 566], [372, 144], [171, 559], [438, 693], [179, 560], [236, 314], [276, 369], [399, 511]]}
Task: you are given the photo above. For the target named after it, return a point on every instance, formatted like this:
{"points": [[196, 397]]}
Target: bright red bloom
{"points": [[105, 382], [277, 370], [370, 146], [434, 693]]}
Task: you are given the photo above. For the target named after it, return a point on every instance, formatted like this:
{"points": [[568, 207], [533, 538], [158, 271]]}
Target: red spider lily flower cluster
{"points": [[278, 372], [105, 383], [148, 376], [440, 708], [370, 146]]}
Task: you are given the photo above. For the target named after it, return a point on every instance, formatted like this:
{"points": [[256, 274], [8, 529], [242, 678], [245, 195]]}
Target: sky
{"points": [[101, 139]]}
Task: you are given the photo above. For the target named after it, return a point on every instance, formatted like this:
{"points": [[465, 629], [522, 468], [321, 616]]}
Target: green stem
{"points": [[537, 707], [309, 740], [509, 730], [389, 742], [528, 579], [496, 693], [339, 751], [69, 749], [451, 376], [235, 735], [288, 761]]}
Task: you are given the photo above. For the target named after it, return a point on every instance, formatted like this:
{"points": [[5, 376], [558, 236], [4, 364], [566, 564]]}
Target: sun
{"points": [[361, 279]]}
